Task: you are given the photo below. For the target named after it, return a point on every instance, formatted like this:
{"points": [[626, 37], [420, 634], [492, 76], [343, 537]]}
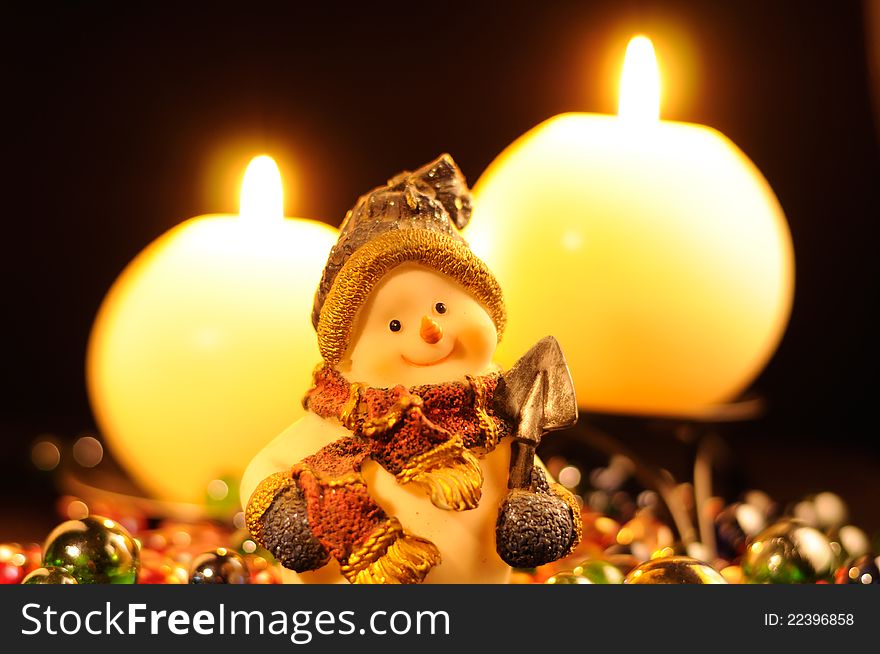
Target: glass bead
{"points": [[94, 550], [674, 570], [222, 566], [49, 576], [599, 572], [788, 552], [565, 578], [13, 563]]}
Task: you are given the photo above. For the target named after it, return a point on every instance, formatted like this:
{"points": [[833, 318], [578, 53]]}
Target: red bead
{"points": [[11, 573], [12, 563]]}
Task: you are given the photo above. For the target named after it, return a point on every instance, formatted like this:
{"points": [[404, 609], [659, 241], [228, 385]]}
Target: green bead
{"points": [[93, 550], [674, 570], [49, 576], [599, 572], [789, 552], [563, 578]]}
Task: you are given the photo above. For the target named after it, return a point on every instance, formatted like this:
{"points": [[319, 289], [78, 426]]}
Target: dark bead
{"points": [[730, 539], [222, 566]]}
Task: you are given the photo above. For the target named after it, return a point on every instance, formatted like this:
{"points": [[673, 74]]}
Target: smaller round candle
{"points": [[202, 349], [655, 251]]}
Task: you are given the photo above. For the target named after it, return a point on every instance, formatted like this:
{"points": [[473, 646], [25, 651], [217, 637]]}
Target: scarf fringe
{"points": [[391, 556], [449, 473]]}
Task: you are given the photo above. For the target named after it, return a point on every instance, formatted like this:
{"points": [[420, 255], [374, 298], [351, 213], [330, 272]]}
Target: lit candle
{"points": [[655, 251], [203, 348]]}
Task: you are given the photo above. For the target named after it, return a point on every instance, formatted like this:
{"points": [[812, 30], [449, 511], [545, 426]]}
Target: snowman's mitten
{"points": [[277, 517], [321, 508], [537, 525]]}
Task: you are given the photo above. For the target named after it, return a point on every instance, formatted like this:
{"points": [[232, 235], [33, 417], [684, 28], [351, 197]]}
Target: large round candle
{"points": [[655, 251], [202, 349]]}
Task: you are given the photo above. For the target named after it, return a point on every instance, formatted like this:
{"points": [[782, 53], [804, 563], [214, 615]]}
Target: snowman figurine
{"points": [[415, 460]]}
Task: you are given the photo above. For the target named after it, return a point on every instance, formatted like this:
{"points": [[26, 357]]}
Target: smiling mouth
{"points": [[430, 363]]}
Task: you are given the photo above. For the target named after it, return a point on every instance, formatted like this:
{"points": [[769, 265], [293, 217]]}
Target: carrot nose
{"points": [[431, 332]]}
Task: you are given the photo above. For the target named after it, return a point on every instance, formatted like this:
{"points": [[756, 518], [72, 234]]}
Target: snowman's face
{"points": [[419, 327]]}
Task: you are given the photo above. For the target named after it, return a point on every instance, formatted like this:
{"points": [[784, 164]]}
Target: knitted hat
{"points": [[415, 218]]}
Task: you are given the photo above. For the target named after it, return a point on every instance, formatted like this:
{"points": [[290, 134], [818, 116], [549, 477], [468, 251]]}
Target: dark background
{"points": [[120, 123]]}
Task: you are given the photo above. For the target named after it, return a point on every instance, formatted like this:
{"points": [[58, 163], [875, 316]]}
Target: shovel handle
{"points": [[522, 460]]}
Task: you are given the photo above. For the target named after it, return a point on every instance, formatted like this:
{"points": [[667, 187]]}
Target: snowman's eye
{"points": [[440, 308], [394, 325]]}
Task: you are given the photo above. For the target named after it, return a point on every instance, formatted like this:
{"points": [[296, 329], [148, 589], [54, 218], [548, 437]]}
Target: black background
{"points": [[120, 122]]}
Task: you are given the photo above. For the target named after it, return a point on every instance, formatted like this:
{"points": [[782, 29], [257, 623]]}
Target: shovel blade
{"points": [[516, 397]]}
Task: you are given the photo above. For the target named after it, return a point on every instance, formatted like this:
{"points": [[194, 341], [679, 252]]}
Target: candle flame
{"points": [[262, 196], [640, 82]]}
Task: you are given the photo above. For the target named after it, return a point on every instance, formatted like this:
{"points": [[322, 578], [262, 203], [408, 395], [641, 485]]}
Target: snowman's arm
{"points": [[320, 508], [261, 466], [303, 437]]}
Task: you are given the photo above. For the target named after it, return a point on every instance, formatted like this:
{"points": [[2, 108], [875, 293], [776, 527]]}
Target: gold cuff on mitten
{"points": [[261, 499], [566, 496]]}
